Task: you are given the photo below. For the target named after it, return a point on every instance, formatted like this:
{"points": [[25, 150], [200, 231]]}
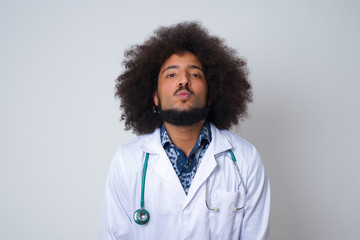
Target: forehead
{"points": [[182, 59]]}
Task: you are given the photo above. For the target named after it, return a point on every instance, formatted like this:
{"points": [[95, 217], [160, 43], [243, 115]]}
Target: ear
{"points": [[156, 99], [208, 102]]}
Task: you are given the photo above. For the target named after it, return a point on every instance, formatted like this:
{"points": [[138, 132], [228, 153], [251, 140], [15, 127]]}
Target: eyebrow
{"points": [[176, 66]]}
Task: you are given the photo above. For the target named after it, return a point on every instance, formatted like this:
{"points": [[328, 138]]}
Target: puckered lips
{"points": [[183, 94]]}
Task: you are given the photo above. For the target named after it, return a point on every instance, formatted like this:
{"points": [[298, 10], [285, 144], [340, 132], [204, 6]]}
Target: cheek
{"points": [[166, 88], [201, 88]]}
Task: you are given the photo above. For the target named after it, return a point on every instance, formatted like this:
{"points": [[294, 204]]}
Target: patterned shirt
{"points": [[186, 167]]}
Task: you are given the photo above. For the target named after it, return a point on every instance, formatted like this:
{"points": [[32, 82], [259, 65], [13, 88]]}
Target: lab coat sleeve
{"points": [[257, 209], [116, 218]]}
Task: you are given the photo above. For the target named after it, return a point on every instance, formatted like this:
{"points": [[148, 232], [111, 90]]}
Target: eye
{"points": [[170, 75], [195, 75]]}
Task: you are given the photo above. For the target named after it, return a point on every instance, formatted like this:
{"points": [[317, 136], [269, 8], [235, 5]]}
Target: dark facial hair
{"points": [[184, 117]]}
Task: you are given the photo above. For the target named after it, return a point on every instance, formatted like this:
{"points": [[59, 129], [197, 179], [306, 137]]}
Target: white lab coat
{"points": [[175, 215]]}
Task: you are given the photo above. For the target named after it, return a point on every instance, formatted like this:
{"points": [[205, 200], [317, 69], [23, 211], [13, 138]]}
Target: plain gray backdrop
{"points": [[59, 121]]}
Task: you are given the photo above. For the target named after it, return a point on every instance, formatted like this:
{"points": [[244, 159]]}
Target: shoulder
{"points": [[247, 157], [131, 154], [140, 143], [246, 154], [241, 147], [235, 142]]}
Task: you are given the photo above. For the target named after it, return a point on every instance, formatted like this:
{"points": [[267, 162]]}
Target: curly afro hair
{"points": [[227, 76]]}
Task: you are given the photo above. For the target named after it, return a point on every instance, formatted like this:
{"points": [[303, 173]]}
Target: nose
{"points": [[184, 80]]}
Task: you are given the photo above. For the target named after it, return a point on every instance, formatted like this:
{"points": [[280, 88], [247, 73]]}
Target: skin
{"points": [[183, 69]]}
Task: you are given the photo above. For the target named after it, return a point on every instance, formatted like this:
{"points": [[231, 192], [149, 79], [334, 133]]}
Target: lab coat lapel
{"points": [[162, 165], [164, 168], [208, 163]]}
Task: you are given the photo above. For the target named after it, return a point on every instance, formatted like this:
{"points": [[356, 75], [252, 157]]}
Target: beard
{"points": [[184, 117]]}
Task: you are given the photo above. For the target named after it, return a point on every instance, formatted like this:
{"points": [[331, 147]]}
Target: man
{"points": [[180, 91]]}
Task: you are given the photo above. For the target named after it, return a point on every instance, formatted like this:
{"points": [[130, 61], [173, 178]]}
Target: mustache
{"points": [[184, 88]]}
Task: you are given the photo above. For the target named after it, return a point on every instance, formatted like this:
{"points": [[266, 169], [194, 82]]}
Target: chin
{"points": [[183, 109]]}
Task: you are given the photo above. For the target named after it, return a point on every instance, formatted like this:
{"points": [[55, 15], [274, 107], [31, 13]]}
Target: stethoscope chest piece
{"points": [[141, 216]]}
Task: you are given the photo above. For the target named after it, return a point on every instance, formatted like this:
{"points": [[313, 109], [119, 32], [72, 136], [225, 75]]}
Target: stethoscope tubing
{"points": [[142, 202], [142, 216], [215, 209], [143, 213]]}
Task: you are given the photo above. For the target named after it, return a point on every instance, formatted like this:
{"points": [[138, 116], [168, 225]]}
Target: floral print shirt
{"points": [[186, 167]]}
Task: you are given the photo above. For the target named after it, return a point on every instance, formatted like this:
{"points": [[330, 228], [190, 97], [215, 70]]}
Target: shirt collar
{"points": [[205, 135]]}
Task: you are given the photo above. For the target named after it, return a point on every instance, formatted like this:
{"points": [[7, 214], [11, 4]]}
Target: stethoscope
{"points": [[142, 216]]}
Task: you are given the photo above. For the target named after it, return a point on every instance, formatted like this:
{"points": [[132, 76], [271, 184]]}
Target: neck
{"points": [[184, 137]]}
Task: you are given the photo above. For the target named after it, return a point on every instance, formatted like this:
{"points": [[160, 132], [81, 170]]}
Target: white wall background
{"points": [[59, 121]]}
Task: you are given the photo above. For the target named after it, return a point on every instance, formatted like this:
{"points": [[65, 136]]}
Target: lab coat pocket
{"points": [[226, 219]]}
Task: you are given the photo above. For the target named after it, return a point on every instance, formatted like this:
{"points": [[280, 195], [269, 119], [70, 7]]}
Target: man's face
{"points": [[181, 83]]}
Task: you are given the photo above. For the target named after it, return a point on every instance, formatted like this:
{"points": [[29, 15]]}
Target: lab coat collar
{"points": [[220, 143], [151, 143], [159, 161]]}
